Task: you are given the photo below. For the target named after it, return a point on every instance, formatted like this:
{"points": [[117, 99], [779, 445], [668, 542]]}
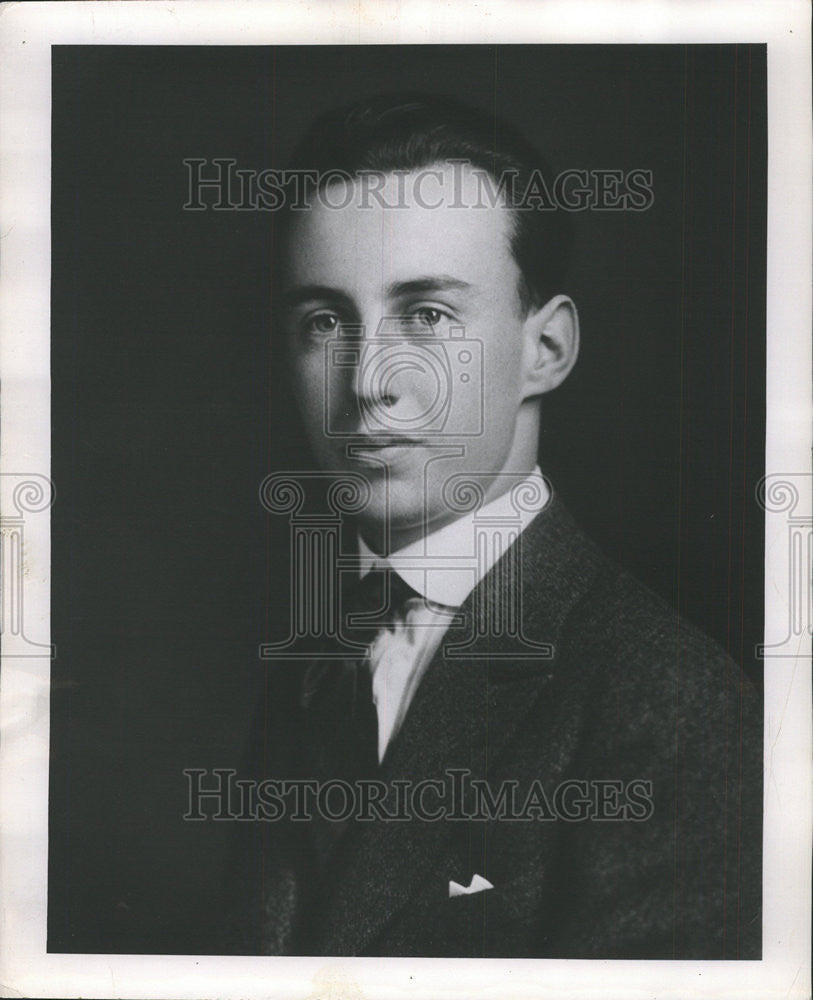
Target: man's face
{"points": [[404, 327]]}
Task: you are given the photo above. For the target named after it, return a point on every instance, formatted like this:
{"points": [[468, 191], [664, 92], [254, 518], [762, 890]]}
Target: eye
{"points": [[429, 316], [322, 323], [424, 320]]}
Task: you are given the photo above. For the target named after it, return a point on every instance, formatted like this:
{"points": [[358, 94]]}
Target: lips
{"points": [[380, 441], [389, 449]]}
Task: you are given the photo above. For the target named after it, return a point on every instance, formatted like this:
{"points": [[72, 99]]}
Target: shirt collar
{"points": [[443, 566]]}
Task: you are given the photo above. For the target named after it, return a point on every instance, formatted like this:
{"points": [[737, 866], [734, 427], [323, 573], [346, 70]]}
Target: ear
{"points": [[550, 345]]}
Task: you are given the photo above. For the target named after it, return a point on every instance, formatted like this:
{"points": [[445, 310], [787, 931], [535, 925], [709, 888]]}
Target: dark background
{"points": [[169, 407]]}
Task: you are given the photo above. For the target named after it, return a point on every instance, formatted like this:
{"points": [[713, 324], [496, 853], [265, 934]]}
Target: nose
{"points": [[375, 377]]}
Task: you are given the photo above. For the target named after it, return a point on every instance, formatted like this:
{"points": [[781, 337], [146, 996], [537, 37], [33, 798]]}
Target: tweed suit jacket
{"points": [[630, 693]]}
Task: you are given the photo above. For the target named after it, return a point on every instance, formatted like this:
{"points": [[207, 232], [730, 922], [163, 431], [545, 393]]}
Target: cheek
{"points": [[502, 363], [308, 378]]}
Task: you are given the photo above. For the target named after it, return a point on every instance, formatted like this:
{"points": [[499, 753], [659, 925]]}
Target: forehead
{"points": [[390, 227]]}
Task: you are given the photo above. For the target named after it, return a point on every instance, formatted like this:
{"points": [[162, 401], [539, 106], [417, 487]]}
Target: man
{"points": [[606, 753]]}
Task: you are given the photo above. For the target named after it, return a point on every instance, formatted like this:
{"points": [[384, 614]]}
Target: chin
{"points": [[393, 508]]}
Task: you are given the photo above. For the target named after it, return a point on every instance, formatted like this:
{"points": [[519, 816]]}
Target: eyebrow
{"points": [[308, 293], [430, 283], [398, 289]]}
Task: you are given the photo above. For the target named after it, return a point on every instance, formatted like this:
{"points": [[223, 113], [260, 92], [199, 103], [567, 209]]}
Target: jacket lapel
{"points": [[464, 714]]}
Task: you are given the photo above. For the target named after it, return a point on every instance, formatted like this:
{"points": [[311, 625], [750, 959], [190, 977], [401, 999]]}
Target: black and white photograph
{"points": [[420, 577]]}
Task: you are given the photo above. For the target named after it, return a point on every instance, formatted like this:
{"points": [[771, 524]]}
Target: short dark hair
{"points": [[408, 132]]}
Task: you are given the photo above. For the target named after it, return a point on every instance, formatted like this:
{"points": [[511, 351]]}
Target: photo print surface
{"points": [[408, 421]]}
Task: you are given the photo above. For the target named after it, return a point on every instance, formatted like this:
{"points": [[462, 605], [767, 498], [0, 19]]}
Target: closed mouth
{"points": [[387, 441]]}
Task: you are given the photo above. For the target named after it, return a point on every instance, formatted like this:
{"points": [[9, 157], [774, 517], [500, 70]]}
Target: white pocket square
{"points": [[477, 884]]}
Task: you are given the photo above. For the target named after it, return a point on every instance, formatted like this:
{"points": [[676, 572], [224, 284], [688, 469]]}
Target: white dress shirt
{"points": [[442, 568]]}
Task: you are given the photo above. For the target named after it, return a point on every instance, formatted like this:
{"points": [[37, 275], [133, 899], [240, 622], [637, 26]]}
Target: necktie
{"points": [[372, 604], [341, 717]]}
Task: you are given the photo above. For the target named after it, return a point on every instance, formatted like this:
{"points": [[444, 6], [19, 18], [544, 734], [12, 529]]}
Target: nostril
{"points": [[371, 404]]}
